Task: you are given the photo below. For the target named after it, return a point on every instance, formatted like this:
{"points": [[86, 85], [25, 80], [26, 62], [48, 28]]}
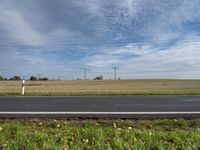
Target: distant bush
{"points": [[32, 78], [15, 78], [99, 77], [44, 79]]}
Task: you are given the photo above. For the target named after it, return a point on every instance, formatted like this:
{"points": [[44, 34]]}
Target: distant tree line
{"points": [[17, 78], [1, 78], [33, 78], [13, 78]]}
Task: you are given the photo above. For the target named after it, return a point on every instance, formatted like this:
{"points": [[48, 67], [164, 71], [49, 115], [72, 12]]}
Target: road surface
{"points": [[130, 107]]}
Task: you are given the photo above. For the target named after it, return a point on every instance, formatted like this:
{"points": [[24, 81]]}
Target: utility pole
{"points": [[39, 76], [115, 72], [24, 77], [85, 73]]}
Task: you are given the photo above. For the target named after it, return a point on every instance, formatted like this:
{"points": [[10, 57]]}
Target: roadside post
{"points": [[23, 87]]}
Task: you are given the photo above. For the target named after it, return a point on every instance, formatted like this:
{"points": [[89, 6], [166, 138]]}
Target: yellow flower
{"points": [[114, 125], [85, 140], [65, 122], [97, 124], [150, 133], [130, 128], [135, 139], [1, 128]]}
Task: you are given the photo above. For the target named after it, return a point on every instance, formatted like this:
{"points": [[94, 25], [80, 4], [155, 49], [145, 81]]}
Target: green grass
{"points": [[100, 134]]}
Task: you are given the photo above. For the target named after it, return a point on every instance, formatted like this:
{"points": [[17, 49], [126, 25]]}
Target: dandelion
{"points": [[65, 123], [58, 126], [119, 129], [1, 128], [114, 125], [40, 123], [46, 146], [85, 140], [71, 140], [150, 133], [130, 128], [134, 139], [5, 145], [97, 124]]}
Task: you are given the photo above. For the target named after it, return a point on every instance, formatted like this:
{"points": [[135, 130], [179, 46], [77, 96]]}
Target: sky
{"points": [[59, 38]]}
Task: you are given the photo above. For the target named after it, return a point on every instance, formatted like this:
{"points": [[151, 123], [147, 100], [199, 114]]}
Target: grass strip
{"points": [[100, 134]]}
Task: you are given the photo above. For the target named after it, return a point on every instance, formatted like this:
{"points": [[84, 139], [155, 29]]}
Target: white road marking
{"points": [[96, 113], [190, 100]]}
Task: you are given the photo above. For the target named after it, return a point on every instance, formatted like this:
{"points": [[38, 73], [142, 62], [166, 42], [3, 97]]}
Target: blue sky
{"points": [[144, 38]]}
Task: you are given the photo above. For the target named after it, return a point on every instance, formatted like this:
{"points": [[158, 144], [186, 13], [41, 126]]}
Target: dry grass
{"points": [[107, 87]]}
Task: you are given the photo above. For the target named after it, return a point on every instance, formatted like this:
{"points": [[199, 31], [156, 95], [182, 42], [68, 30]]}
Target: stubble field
{"points": [[105, 87]]}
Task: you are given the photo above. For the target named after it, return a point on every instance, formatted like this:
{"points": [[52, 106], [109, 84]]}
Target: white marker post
{"points": [[23, 87]]}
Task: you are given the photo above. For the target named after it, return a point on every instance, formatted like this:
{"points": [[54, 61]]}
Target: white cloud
{"points": [[178, 61], [134, 49], [102, 60], [18, 29]]}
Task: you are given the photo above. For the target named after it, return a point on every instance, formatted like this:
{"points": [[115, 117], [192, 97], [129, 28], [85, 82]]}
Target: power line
{"points": [[115, 72], [99, 43], [85, 73]]}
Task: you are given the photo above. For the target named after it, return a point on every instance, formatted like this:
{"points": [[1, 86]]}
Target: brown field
{"points": [[106, 87]]}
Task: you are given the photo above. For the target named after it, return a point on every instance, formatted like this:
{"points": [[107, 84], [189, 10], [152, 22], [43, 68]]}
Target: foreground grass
{"points": [[105, 88], [99, 134]]}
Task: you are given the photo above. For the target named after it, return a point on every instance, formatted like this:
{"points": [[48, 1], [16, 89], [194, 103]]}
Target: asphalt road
{"points": [[134, 107]]}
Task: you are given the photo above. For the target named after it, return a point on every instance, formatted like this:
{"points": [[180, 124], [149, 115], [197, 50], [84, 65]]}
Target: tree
{"points": [[99, 77], [44, 79], [32, 78], [15, 78], [1, 78]]}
